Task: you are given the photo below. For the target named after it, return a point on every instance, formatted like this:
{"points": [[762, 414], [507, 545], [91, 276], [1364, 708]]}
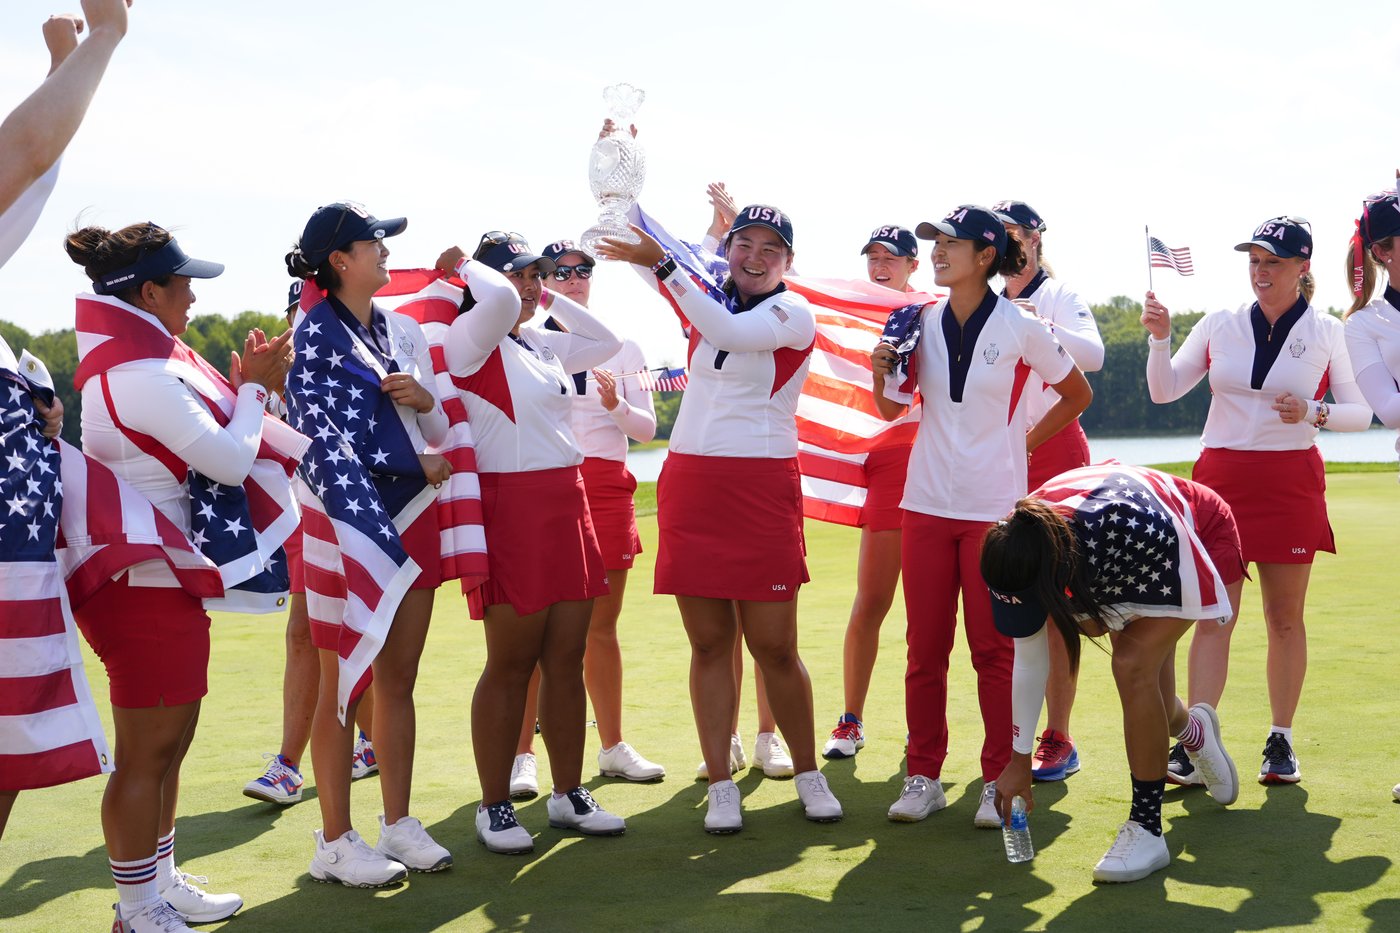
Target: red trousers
{"points": [[939, 557]]}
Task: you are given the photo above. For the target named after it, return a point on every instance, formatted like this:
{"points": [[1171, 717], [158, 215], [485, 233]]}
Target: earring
{"points": [[342, 268]]}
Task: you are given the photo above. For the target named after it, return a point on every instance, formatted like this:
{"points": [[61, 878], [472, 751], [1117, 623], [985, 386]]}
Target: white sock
{"points": [[136, 884], [1285, 731], [166, 872]]}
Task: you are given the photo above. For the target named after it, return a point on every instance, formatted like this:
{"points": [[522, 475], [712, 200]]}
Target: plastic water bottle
{"points": [[1017, 836]]}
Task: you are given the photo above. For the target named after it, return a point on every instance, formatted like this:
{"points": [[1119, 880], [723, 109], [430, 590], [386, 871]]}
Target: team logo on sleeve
{"points": [[1297, 348], [989, 355]]}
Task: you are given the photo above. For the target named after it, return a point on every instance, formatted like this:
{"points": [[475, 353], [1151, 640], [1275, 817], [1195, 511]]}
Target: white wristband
{"points": [[1163, 344]]}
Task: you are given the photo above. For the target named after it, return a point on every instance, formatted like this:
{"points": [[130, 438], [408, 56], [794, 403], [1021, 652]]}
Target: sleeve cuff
{"points": [[1154, 344]]}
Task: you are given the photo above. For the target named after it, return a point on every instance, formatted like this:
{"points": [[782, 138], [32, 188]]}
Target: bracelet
{"points": [[1322, 414], [664, 267]]}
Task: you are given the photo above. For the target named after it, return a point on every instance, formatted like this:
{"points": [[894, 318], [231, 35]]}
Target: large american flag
{"points": [[837, 422], [1140, 536], [432, 299], [241, 528], [362, 485], [1165, 257], [67, 526]]}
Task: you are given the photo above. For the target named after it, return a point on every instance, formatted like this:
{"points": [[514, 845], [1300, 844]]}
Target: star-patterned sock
{"points": [[1147, 804], [1193, 736]]}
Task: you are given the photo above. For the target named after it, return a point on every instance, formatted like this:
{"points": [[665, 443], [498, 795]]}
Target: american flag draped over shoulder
{"points": [[362, 486], [1140, 536], [240, 528], [63, 518], [432, 299], [1165, 257], [837, 423]]}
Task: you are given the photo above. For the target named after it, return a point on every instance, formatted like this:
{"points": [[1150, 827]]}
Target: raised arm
{"points": [[36, 132], [588, 343], [1170, 377], [476, 333]]}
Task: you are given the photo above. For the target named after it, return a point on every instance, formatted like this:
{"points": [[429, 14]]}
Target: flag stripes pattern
{"points": [[1165, 257]]}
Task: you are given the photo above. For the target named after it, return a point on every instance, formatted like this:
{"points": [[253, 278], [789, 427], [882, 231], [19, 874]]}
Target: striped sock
{"points": [[136, 884], [165, 860], [1193, 736]]}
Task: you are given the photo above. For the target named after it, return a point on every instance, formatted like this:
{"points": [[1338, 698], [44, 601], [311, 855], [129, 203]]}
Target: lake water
{"points": [[1374, 446]]}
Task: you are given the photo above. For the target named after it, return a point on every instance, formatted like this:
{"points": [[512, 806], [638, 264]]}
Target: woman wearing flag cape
{"points": [[202, 450], [1270, 364], [363, 389], [1132, 553]]}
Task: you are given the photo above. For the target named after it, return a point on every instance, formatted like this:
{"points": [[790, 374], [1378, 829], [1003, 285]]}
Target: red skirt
{"points": [[1216, 527], [540, 545], [1278, 500], [730, 528], [610, 486], [1064, 451], [885, 471], [423, 543], [153, 640]]}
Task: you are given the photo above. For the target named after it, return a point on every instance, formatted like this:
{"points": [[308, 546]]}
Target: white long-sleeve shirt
{"points": [[1312, 359], [519, 391], [19, 219], [1072, 322], [602, 433], [1373, 340]]}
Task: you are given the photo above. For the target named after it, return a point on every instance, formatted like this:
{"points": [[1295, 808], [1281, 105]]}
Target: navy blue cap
{"points": [[763, 215], [336, 226], [968, 222], [897, 240], [1380, 218], [1283, 236], [1019, 213], [294, 294], [555, 250], [1017, 614], [168, 260], [510, 252]]}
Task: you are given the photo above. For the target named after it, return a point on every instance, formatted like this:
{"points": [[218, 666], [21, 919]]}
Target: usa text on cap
{"points": [[554, 251], [510, 252], [1283, 236], [897, 240], [1019, 213], [763, 215], [968, 222], [1018, 613]]}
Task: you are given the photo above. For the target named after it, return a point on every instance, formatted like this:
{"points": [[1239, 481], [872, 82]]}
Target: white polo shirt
{"points": [[1072, 322], [1373, 342], [602, 433], [746, 373], [1312, 358], [969, 458]]}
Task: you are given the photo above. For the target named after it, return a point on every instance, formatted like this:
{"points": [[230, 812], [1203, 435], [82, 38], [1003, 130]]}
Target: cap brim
{"points": [[892, 247], [1271, 247], [391, 227], [587, 259], [199, 269], [932, 228], [1016, 615], [517, 263], [757, 223]]}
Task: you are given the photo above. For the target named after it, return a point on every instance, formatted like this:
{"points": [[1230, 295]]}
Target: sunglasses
{"points": [[333, 241], [497, 238], [564, 273], [1288, 218]]}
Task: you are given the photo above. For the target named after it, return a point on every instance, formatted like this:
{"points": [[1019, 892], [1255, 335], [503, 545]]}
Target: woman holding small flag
{"points": [[729, 500], [1373, 325], [363, 389], [1132, 553], [203, 451], [969, 356], [516, 384], [1270, 364]]}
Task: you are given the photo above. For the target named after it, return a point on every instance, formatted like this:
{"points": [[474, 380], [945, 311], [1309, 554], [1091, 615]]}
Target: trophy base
{"points": [[590, 238]]}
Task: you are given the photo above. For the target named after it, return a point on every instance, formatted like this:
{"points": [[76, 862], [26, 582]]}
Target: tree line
{"points": [[1121, 404]]}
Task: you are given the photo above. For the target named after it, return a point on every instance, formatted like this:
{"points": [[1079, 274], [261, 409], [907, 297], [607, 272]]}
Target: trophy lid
{"points": [[623, 100]]}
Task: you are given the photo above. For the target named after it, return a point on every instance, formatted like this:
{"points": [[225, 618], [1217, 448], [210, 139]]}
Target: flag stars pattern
{"points": [[30, 491], [1128, 538]]}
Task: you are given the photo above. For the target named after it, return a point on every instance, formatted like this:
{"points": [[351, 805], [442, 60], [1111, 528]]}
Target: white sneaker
{"points": [[920, 797], [1216, 768], [578, 810], [622, 761], [350, 861], [769, 754], [737, 761], [500, 831], [846, 739], [408, 843], [1395, 792], [160, 917], [363, 763], [197, 905], [724, 816], [524, 778], [281, 783], [1135, 854], [987, 816], [818, 801]]}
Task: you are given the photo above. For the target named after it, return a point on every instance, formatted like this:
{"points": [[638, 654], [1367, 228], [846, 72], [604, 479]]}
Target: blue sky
{"points": [[231, 122]]}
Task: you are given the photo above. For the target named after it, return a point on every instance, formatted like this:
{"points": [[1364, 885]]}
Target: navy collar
{"points": [[375, 337], [1270, 338], [739, 305], [961, 340], [1032, 286], [1392, 296]]}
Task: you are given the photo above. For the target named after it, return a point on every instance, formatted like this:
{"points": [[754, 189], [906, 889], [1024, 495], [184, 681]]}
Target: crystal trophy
{"points": [[617, 167]]}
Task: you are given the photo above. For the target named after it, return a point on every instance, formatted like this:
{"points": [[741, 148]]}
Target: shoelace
{"points": [[581, 795], [1049, 749], [816, 787], [915, 786], [1123, 845], [846, 730], [1276, 750], [989, 791], [503, 814], [189, 882], [722, 796], [168, 919]]}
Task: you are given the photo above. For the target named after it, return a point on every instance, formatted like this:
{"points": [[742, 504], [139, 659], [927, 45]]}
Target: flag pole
{"points": [[1148, 239]]}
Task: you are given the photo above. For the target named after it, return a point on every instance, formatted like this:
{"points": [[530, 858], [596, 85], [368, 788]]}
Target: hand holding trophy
{"points": [[617, 167]]}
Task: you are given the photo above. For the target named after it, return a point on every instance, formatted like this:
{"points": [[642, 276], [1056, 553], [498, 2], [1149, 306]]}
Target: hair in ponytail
{"points": [[1013, 258], [1369, 268], [101, 251], [325, 276], [1035, 549], [1307, 284]]}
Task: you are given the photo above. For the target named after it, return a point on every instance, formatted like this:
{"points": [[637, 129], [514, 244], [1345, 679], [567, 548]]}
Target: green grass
{"points": [[1316, 855]]}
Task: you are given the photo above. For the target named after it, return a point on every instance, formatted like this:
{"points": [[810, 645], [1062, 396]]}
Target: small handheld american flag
{"points": [[1162, 256], [665, 380]]}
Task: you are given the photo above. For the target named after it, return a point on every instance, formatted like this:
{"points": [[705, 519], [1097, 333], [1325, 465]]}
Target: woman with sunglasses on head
{"points": [[149, 415], [967, 355], [1071, 320], [1373, 325], [729, 501], [891, 256], [611, 406], [1270, 365], [1131, 553], [546, 567], [342, 251]]}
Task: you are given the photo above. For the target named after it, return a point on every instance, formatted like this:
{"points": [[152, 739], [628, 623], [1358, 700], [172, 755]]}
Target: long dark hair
{"points": [[1035, 549], [1013, 259]]}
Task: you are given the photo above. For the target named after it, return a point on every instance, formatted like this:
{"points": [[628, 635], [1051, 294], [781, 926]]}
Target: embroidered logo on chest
{"points": [[989, 355], [546, 354], [407, 345], [1297, 348]]}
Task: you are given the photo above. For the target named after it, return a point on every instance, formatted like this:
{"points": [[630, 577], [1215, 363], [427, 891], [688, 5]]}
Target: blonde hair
{"points": [[1369, 267]]}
